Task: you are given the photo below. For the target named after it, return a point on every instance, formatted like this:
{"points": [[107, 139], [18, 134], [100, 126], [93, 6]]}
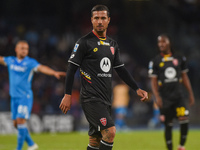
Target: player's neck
{"points": [[20, 58], [166, 52], [99, 34]]}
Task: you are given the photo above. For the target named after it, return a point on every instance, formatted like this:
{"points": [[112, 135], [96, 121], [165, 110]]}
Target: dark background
{"points": [[53, 27]]}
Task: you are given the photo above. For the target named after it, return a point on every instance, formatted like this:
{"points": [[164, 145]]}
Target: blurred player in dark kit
{"points": [[96, 55], [168, 71]]}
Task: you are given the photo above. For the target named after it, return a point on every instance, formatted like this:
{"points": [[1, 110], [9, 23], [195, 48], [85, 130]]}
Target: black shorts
{"points": [[174, 109], [99, 117]]}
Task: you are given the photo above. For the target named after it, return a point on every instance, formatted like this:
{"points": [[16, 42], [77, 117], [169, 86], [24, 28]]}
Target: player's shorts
{"points": [[21, 107], [99, 117], [174, 109]]}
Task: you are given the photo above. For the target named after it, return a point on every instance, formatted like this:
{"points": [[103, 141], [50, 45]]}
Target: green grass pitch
{"points": [[133, 140]]}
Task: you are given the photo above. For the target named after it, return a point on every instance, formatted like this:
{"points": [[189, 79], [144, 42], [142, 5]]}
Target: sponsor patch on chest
{"points": [[103, 43], [18, 68]]}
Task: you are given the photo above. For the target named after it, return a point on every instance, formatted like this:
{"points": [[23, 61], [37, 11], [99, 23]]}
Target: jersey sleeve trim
{"points": [[35, 69], [185, 70], [118, 66], [4, 61], [73, 63]]}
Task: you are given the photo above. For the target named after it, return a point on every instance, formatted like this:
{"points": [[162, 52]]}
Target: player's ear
{"points": [[15, 49], [108, 20], [91, 19]]}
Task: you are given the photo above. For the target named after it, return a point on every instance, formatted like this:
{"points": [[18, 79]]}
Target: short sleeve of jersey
{"points": [[8, 60], [117, 60], [34, 64], [184, 67], [153, 70], [78, 52]]}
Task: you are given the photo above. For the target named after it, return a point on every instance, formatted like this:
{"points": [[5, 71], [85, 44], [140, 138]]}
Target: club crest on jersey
{"points": [[76, 47], [175, 62], [103, 121], [112, 49]]}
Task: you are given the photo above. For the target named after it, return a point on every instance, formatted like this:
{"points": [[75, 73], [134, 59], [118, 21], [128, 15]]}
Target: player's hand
{"points": [[192, 100], [162, 118], [159, 101], [143, 94], [58, 74], [65, 104]]}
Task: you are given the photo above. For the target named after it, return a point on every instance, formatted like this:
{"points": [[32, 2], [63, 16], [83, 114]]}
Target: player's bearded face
{"points": [[22, 50], [164, 44], [100, 21]]}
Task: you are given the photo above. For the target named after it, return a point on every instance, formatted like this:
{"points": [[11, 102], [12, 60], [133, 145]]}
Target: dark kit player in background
{"points": [[168, 71], [96, 54]]}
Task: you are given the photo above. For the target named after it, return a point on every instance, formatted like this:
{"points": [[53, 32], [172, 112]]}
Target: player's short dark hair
{"points": [[21, 41], [100, 8], [166, 36]]}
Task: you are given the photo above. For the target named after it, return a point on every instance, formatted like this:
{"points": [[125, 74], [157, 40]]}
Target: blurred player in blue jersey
{"points": [[21, 69]]}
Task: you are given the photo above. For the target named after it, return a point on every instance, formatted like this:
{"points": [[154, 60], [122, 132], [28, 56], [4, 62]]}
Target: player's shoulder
{"points": [[10, 57], [85, 38], [155, 61], [158, 57], [178, 55], [9, 60], [30, 59], [111, 40]]}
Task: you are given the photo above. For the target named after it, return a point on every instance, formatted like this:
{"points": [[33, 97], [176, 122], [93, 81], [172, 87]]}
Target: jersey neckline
{"points": [[19, 61], [166, 55], [101, 38]]}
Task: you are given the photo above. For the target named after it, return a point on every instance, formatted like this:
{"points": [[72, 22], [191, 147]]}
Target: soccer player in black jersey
{"points": [[168, 71], [96, 55]]}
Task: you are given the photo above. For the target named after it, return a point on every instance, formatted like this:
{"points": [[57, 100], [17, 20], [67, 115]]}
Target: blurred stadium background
{"points": [[53, 27]]}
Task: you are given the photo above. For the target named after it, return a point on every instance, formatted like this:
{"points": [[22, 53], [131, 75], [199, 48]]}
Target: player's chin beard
{"points": [[22, 57], [100, 32], [165, 51]]}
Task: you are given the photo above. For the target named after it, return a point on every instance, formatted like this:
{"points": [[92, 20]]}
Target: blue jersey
{"points": [[20, 75]]}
